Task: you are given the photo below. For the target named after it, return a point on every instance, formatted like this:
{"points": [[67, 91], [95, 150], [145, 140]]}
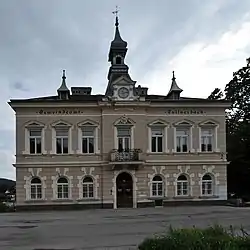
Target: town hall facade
{"points": [[125, 148]]}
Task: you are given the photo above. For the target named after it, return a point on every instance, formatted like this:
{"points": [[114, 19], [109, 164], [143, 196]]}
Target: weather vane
{"points": [[116, 11], [116, 16]]}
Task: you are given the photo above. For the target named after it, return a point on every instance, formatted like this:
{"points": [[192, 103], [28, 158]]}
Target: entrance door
{"points": [[124, 190]]}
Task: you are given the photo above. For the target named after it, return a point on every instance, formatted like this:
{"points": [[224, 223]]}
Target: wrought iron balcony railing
{"points": [[125, 155]]}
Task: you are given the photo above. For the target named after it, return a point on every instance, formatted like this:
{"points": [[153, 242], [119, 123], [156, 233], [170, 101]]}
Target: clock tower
{"points": [[120, 85]]}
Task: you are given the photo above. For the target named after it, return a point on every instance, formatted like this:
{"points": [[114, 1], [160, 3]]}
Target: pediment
{"points": [[158, 122], [88, 123], [124, 120], [184, 122], [209, 122], [61, 123], [123, 80], [34, 124]]}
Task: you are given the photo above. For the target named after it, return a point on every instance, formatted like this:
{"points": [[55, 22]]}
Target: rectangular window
{"points": [[35, 141], [157, 140], [36, 192], [124, 138], [206, 140], [88, 190], [182, 136], [88, 140], [62, 141]]}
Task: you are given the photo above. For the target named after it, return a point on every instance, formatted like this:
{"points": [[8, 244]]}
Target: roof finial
{"points": [[63, 76], [173, 76], [116, 16]]}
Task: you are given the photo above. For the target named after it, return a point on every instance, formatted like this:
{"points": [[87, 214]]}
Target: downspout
{"points": [[102, 157]]}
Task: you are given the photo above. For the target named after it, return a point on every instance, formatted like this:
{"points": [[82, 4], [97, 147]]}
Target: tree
{"points": [[217, 94], [238, 130]]}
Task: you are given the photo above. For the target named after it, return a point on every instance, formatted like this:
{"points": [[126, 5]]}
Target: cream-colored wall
{"points": [[106, 117], [104, 174]]}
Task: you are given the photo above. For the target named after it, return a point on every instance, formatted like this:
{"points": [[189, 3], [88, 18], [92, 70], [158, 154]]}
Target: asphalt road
{"points": [[106, 229]]}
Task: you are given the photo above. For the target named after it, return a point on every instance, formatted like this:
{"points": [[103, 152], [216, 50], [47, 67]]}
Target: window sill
{"points": [[33, 155], [208, 152], [157, 153], [62, 200], [157, 198], [208, 196], [35, 201], [88, 199], [183, 197], [86, 154]]}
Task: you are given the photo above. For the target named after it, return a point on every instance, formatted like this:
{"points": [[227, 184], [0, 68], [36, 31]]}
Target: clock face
{"points": [[123, 92]]}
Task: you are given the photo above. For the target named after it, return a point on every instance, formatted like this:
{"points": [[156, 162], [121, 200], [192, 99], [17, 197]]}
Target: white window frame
{"points": [[206, 138], [157, 183], [96, 127], [158, 124], [88, 184], [28, 127], [36, 186], [206, 182], [185, 126], [61, 125], [124, 121], [213, 126], [62, 186], [181, 182]]}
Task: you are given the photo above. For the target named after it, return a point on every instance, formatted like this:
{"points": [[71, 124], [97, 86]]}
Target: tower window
{"points": [[118, 60]]}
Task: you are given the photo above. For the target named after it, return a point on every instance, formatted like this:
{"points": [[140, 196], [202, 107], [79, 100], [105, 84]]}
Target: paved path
{"points": [[106, 229]]}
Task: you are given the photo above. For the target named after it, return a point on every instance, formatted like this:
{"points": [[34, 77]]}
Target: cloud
{"points": [[203, 41]]}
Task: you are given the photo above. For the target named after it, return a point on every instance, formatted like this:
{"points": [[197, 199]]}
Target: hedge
{"points": [[211, 238]]}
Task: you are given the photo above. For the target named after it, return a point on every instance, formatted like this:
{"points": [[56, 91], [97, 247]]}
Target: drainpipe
{"points": [[102, 157]]}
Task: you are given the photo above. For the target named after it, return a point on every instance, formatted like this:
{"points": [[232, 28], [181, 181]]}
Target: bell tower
{"points": [[120, 85]]}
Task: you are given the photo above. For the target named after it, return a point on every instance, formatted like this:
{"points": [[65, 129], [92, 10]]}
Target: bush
{"points": [[211, 238]]}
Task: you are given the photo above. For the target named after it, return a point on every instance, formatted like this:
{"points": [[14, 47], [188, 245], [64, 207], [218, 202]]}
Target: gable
{"points": [[184, 122], [209, 122], [88, 123], [34, 124], [158, 122], [61, 123], [124, 120], [123, 80]]}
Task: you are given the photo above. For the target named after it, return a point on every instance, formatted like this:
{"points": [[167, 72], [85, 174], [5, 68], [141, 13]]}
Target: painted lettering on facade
{"points": [[185, 112], [60, 112]]}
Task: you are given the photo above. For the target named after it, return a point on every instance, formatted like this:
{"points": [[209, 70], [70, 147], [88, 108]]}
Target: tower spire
{"points": [[63, 91], [175, 90]]}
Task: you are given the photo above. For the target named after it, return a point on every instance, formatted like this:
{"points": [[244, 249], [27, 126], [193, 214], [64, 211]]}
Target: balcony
{"points": [[129, 156]]}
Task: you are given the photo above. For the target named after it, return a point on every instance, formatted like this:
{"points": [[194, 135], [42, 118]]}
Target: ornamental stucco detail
{"points": [[185, 169], [61, 172], [159, 170], [209, 169], [32, 173], [88, 172]]}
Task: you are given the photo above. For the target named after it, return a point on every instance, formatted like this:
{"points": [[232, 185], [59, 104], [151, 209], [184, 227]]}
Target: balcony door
{"points": [[124, 138]]}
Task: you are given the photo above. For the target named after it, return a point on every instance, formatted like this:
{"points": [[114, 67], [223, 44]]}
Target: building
{"points": [[125, 148]]}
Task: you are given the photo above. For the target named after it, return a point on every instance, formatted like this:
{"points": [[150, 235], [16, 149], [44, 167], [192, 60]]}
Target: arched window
{"points": [[207, 185], [118, 60], [182, 185], [36, 188], [88, 187], [62, 188], [157, 186]]}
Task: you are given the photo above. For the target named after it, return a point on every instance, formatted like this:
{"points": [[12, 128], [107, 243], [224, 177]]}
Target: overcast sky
{"points": [[204, 41]]}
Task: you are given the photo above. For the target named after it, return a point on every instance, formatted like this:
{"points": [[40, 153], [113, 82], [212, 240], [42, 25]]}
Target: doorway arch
{"points": [[124, 190]]}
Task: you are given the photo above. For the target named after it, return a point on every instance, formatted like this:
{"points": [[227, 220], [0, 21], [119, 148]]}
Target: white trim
{"points": [[27, 185], [149, 140], [96, 140], [55, 178], [115, 138], [115, 114], [132, 140], [27, 141]]}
